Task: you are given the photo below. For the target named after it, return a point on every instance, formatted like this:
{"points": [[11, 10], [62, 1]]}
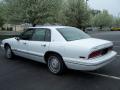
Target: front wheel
{"points": [[8, 52], [55, 64]]}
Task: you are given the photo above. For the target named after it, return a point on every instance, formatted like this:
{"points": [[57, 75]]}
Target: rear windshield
{"points": [[71, 34]]}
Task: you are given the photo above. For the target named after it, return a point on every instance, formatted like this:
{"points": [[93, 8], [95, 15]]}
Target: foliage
{"points": [[117, 21], [2, 20], [67, 12], [7, 36], [32, 11], [102, 19], [77, 13]]}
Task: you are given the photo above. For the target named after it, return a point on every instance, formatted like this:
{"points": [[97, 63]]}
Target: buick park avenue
{"points": [[60, 47]]}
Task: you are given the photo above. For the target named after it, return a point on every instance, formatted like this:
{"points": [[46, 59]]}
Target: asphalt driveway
{"points": [[24, 74]]}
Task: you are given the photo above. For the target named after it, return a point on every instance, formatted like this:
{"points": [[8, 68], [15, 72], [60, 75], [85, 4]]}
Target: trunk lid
{"points": [[92, 43]]}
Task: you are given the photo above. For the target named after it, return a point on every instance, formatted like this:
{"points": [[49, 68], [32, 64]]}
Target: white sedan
{"points": [[60, 47]]}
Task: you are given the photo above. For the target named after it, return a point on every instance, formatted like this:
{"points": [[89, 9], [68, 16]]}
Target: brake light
{"points": [[95, 54]]}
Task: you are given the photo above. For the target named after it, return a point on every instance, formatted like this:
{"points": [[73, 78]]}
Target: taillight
{"points": [[100, 52], [95, 54]]}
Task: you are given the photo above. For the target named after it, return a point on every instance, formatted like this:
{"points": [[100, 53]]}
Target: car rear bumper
{"points": [[93, 64]]}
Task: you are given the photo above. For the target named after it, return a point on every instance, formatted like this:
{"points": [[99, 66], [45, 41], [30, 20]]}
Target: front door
{"points": [[21, 46]]}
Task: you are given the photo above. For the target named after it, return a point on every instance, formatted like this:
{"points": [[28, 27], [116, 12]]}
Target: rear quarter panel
{"points": [[68, 51]]}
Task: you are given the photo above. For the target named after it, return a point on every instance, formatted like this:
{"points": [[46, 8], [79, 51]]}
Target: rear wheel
{"points": [[8, 52], [55, 64]]}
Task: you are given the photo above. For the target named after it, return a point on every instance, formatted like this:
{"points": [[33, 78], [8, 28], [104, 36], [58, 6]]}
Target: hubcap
{"points": [[8, 53], [54, 64]]}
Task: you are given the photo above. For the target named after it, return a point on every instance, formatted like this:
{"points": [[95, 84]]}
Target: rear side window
{"points": [[71, 33], [41, 35]]}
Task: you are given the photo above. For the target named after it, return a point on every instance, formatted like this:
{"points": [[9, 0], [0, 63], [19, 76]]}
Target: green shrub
{"points": [[7, 36]]}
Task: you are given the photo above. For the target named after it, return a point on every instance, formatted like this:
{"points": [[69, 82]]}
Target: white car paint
{"points": [[69, 50]]}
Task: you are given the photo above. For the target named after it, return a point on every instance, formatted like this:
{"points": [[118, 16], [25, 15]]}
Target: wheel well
{"points": [[6, 44], [47, 54]]}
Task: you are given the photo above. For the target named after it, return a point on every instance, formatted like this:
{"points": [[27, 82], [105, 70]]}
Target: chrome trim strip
{"points": [[28, 53]]}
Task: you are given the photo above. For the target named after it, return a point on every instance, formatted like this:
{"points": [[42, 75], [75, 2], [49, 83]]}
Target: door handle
{"points": [[25, 43], [43, 45]]}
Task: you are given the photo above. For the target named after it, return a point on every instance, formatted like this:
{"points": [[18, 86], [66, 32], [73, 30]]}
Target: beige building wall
{"points": [[18, 28]]}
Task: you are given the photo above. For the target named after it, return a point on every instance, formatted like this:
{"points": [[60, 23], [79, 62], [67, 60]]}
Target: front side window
{"points": [[71, 34], [41, 35], [27, 34]]}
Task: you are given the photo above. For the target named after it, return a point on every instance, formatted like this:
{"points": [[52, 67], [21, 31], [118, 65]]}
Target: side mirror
{"points": [[17, 38]]}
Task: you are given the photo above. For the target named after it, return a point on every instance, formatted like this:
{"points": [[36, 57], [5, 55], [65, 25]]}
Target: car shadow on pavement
{"points": [[41, 66], [36, 67]]}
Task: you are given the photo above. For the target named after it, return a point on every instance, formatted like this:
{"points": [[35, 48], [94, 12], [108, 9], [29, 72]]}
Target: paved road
{"points": [[23, 74]]}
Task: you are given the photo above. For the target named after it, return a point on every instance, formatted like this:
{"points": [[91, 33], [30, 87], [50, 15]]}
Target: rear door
{"points": [[39, 43]]}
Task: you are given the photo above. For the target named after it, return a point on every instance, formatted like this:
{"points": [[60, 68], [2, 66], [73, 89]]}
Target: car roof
{"points": [[49, 27]]}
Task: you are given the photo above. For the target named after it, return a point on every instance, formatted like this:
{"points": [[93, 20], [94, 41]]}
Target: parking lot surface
{"points": [[24, 74]]}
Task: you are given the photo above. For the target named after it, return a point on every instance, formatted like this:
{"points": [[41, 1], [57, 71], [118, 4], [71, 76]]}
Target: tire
{"points": [[55, 64], [8, 52]]}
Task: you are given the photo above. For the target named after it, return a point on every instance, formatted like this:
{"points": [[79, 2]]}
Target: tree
{"points": [[94, 12], [117, 21], [32, 11], [77, 13], [2, 20], [103, 19]]}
